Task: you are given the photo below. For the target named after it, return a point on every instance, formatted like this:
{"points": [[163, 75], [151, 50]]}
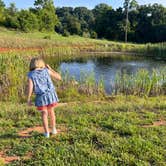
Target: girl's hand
{"points": [[48, 66], [53, 73]]}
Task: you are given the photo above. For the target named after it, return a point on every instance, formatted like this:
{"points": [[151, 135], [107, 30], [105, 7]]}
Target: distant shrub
{"points": [[86, 34], [93, 34], [66, 33], [47, 37]]}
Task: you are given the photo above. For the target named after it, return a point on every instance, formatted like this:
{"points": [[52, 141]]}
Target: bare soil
{"points": [[160, 122]]}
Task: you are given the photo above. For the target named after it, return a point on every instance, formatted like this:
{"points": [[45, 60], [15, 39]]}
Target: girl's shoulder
{"points": [[29, 74]]}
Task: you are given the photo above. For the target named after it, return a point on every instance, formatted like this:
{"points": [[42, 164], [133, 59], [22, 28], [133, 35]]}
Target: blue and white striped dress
{"points": [[43, 87]]}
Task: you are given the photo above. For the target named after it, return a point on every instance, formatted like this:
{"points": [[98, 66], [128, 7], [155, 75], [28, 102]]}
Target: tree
{"points": [[64, 11], [46, 15], [12, 10], [128, 4], [151, 28], [101, 19], [73, 25], [83, 20], [86, 19], [11, 18], [63, 14], [40, 4], [28, 21], [2, 12], [47, 21], [138, 23], [85, 16]]}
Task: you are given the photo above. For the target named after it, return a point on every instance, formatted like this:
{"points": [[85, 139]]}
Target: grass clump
{"points": [[142, 83]]}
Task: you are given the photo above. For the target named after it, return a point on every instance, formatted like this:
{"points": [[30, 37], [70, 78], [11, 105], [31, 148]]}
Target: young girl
{"points": [[39, 82]]}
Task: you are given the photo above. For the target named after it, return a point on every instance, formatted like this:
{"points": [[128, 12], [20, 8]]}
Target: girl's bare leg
{"points": [[45, 120], [52, 119]]}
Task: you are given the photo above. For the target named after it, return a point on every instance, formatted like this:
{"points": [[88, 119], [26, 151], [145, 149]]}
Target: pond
{"points": [[106, 67]]}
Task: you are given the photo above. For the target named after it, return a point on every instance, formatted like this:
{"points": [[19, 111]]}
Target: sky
{"points": [[24, 4]]}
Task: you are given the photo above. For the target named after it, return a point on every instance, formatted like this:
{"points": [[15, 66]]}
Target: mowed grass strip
{"points": [[97, 133]]}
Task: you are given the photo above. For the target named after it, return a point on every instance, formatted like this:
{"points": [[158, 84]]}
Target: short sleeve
{"points": [[29, 75]]}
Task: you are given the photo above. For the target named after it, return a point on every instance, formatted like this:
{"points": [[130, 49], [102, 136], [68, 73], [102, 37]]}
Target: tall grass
{"points": [[86, 86], [142, 83], [156, 50], [12, 77]]}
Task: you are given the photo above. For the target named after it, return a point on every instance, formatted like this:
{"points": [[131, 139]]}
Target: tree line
{"points": [[144, 23]]}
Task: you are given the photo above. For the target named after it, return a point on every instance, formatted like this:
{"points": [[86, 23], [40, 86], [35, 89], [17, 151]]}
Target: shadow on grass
{"points": [[9, 136], [16, 136]]}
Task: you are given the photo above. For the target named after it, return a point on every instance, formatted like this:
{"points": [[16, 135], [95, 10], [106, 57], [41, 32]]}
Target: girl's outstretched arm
{"points": [[30, 90], [53, 73]]}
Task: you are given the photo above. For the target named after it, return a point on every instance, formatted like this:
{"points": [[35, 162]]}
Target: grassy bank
{"points": [[16, 39], [109, 132], [52, 44]]}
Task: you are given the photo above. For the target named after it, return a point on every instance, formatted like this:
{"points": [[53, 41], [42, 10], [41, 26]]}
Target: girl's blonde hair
{"points": [[36, 63]]}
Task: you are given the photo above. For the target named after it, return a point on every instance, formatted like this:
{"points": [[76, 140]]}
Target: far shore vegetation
{"points": [[53, 44]]}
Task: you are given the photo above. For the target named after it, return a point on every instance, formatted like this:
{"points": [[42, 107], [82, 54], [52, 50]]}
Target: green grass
{"points": [[52, 44], [108, 133]]}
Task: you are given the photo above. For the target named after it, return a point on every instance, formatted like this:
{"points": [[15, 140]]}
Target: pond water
{"points": [[108, 66]]}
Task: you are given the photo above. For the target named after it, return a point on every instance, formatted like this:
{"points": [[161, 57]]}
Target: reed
{"points": [[156, 50], [142, 83], [12, 77], [71, 89]]}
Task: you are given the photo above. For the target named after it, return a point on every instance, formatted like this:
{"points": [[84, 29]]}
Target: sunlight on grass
{"points": [[96, 133]]}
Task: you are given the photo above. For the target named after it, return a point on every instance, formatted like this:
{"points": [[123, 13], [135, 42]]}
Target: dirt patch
{"points": [[8, 159], [6, 49], [160, 122], [27, 132], [86, 102], [20, 49], [61, 104]]}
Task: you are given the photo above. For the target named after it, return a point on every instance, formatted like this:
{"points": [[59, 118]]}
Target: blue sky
{"points": [[87, 3]]}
